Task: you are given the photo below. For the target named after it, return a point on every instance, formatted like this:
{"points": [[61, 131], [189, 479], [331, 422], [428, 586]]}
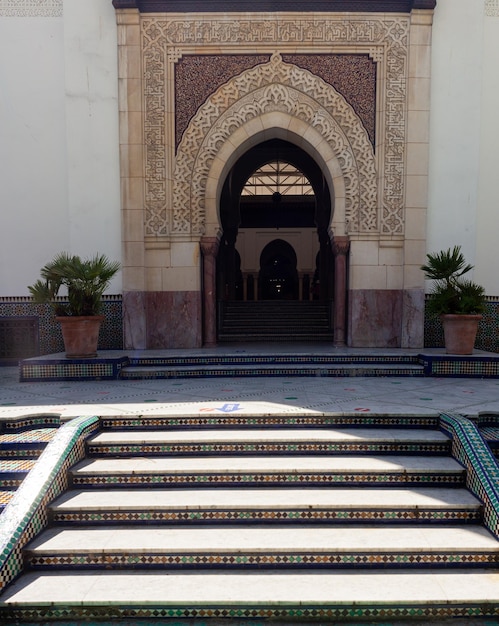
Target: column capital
{"points": [[340, 245], [209, 246]]}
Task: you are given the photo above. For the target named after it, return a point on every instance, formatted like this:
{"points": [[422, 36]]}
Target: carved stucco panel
{"points": [[268, 88], [386, 39], [155, 201]]}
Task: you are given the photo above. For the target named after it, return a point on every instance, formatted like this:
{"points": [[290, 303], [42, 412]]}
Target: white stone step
{"points": [[263, 435], [249, 498], [250, 464], [223, 540], [240, 589]]}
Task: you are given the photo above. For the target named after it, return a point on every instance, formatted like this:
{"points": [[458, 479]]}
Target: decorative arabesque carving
{"points": [[385, 38], [492, 8], [154, 60], [31, 8], [275, 86]]}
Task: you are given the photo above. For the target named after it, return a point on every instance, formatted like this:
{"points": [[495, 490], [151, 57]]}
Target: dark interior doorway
{"points": [[275, 186], [278, 277]]}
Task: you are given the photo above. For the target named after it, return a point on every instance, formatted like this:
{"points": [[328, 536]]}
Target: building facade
{"points": [[250, 150]]}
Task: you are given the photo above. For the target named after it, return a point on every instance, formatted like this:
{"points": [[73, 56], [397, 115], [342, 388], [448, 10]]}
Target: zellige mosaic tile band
{"points": [[268, 515], [316, 613], [482, 469], [26, 513]]}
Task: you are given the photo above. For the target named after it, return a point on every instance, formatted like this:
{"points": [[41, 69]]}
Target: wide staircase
{"points": [[274, 320], [289, 517]]}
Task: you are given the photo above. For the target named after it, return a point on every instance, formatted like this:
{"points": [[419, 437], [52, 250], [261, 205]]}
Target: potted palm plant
{"points": [[458, 301], [85, 280]]}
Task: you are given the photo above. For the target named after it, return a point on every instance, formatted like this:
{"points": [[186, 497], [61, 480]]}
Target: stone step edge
{"points": [[441, 604]]}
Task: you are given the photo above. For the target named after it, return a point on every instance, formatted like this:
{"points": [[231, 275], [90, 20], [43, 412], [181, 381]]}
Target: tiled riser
{"points": [[268, 516], [269, 421], [491, 436], [286, 449], [337, 372], [312, 614], [278, 360], [237, 560], [269, 480], [18, 453], [13, 472], [31, 452]]}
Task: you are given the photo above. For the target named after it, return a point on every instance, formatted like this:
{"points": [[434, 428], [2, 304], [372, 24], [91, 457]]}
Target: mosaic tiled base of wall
{"points": [[488, 329], [49, 332], [111, 335]]}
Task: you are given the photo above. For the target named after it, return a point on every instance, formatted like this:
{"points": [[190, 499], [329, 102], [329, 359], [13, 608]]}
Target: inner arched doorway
{"points": [[278, 276], [275, 210]]}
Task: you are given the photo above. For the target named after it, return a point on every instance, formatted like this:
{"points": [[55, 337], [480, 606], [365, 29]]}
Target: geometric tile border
{"points": [[312, 371], [304, 447], [39, 369], [183, 614], [77, 560], [15, 424], [269, 479], [273, 359], [269, 515], [482, 469], [234, 420], [26, 513], [460, 366]]}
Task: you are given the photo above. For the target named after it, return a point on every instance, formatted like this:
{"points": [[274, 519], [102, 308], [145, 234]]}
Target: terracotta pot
{"points": [[460, 333], [81, 335]]}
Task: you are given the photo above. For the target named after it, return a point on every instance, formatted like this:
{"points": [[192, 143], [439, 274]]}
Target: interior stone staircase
{"points": [[290, 517], [274, 320]]}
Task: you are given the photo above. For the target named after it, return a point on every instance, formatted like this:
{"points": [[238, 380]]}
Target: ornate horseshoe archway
{"points": [[280, 100], [197, 90], [274, 100]]}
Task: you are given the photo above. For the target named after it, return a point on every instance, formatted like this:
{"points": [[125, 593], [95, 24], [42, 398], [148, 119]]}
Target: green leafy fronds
{"points": [[451, 293], [85, 279], [446, 265]]}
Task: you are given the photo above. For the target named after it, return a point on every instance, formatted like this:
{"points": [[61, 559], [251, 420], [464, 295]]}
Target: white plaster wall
{"points": [[487, 228], [59, 167], [464, 135], [33, 187], [91, 80]]}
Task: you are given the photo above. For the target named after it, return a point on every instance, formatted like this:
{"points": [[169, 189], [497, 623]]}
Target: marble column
{"points": [[230, 235], [323, 264], [340, 247], [209, 250]]}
